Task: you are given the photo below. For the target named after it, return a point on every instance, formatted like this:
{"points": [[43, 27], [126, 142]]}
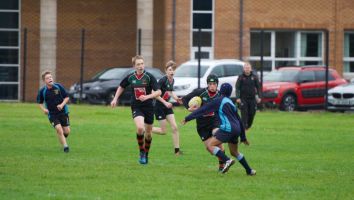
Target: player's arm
{"points": [[40, 101], [164, 102], [189, 96], [176, 98], [238, 89], [119, 92], [64, 95], [207, 108], [155, 90], [258, 88], [61, 106]]}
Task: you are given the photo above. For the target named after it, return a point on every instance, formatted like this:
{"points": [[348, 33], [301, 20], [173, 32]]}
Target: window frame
{"points": [[347, 59]]}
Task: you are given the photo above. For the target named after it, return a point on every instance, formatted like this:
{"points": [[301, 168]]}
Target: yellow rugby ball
{"points": [[195, 102]]}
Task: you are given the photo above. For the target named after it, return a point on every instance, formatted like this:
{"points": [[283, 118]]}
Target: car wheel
{"points": [[288, 103]]}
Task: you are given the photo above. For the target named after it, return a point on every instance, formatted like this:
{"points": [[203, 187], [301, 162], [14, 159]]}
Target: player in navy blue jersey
{"points": [[207, 123], [144, 89], [163, 108], [52, 100], [230, 129]]}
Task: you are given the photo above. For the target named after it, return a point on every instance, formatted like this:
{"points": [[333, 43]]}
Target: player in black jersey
{"points": [[163, 108], [208, 123], [144, 89]]}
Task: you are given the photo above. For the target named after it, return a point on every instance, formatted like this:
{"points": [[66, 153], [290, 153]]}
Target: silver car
{"points": [[341, 98]]}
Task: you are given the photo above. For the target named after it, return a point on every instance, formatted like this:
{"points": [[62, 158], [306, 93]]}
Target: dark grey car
{"points": [[102, 87]]}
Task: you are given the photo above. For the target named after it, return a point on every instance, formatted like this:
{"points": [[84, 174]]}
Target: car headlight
{"points": [[96, 88], [182, 87]]}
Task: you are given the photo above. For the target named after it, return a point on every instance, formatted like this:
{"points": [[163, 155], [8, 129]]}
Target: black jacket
{"points": [[247, 87]]}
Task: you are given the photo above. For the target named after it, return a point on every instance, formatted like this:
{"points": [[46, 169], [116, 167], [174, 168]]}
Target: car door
{"points": [[320, 76], [309, 89], [232, 71]]}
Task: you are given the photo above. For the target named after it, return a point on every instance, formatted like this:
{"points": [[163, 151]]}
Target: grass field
{"points": [[296, 155]]}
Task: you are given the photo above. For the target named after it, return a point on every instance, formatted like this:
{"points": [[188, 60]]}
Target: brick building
{"points": [[47, 34]]}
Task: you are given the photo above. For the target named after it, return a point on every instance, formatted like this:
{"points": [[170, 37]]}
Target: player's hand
{"points": [[168, 105], [191, 109], [179, 101], [246, 142], [183, 122], [258, 100], [60, 107], [46, 111], [143, 98], [114, 103], [238, 101]]}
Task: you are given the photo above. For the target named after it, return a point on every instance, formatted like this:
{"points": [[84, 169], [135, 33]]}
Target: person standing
{"points": [[52, 99], [248, 94], [163, 108], [230, 129], [144, 90]]}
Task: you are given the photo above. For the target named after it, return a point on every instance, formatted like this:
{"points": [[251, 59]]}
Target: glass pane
{"points": [[205, 39], [284, 63], [8, 38], [202, 20], [203, 55], [9, 5], [190, 71], [8, 74], [311, 44], [218, 71], [256, 44], [349, 67], [256, 65], [285, 44], [8, 20], [9, 92], [351, 45], [202, 5], [8, 56], [302, 63], [320, 75]]}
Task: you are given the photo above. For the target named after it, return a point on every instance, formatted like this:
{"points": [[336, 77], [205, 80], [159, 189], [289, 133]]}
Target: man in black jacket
{"points": [[248, 95]]}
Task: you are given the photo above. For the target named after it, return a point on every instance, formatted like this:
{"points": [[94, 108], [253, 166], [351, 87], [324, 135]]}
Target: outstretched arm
{"points": [[207, 108]]}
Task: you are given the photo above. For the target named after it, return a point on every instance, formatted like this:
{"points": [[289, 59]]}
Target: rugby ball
{"points": [[195, 102]]}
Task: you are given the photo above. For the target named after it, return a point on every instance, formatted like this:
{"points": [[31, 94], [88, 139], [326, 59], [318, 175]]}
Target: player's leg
{"points": [[233, 146], [175, 134], [162, 130], [244, 113], [252, 108], [65, 123], [148, 121], [139, 124], [61, 137]]}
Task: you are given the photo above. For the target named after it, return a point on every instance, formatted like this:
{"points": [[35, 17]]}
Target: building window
{"points": [[286, 48], [202, 18], [348, 52], [9, 49]]}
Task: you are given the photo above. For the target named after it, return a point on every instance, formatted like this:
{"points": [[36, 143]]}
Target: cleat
{"points": [[221, 167], [142, 159], [66, 150], [179, 153], [252, 172], [228, 164]]}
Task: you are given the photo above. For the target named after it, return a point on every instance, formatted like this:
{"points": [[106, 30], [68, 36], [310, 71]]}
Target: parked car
{"points": [[291, 88], [186, 75], [102, 87], [341, 98]]}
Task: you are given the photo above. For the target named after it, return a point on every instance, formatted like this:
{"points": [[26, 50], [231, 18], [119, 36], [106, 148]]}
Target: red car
{"points": [[292, 88]]}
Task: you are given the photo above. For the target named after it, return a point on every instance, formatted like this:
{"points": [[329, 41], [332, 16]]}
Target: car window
{"points": [[307, 76], [114, 73], [321, 76], [233, 70], [190, 71], [218, 71], [155, 72], [281, 76]]}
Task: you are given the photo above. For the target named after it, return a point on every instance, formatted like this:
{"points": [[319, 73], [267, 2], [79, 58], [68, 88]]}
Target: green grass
{"points": [[297, 156]]}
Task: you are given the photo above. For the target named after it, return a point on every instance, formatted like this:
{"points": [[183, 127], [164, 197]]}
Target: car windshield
{"points": [[114, 73], [281, 76], [190, 71]]}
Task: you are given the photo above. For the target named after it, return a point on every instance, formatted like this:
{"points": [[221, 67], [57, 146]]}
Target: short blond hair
{"points": [[137, 57], [170, 63], [45, 73]]}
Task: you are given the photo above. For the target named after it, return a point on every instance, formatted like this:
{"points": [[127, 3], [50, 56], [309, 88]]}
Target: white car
{"points": [[341, 98], [186, 75]]}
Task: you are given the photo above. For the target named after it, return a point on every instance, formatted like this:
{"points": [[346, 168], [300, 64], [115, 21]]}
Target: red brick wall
{"points": [[110, 36], [30, 12]]}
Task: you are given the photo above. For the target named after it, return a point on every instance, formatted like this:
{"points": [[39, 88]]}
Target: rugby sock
{"points": [[243, 162], [221, 163], [176, 150], [220, 154], [140, 139], [147, 145]]}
